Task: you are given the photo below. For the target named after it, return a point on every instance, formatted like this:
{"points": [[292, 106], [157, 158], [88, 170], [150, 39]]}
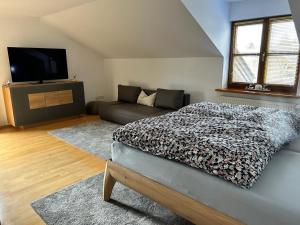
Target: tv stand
{"points": [[46, 82], [27, 104]]}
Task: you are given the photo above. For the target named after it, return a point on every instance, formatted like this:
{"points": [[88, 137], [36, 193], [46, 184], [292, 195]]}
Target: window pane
{"points": [[245, 69], [283, 37], [281, 69], [248, 38]]}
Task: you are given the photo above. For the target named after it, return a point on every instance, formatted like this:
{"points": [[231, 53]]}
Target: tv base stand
{"points": [[27, 104]]}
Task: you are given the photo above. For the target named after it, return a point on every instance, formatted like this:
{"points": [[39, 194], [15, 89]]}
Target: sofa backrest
{"points": [[186, 97]]}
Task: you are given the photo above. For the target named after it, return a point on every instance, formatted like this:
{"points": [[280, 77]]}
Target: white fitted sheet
{"points": [[273, 200]]}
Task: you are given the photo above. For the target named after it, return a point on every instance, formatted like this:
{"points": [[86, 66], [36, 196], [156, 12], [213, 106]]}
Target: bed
{"points": [[205, 199]]}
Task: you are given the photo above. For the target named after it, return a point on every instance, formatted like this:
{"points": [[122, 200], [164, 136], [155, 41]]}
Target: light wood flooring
{"points": [[34, 164]]}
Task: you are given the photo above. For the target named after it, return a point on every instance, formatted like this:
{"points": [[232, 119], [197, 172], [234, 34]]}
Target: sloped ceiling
{"points": [[35, 8], [135, 29], [214, 18], [295, 8]]}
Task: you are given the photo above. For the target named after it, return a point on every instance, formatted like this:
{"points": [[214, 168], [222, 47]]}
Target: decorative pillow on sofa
{"points": [[169, 99], [128, 93], [145, 99]]}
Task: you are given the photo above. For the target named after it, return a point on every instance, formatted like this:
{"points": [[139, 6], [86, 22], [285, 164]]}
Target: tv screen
{"points": [[37, 64]]}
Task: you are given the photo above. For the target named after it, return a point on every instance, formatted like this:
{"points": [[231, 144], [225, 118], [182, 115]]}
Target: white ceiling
{"points": [[122, 28], [39, 8], [35, 8], [135, 29]]}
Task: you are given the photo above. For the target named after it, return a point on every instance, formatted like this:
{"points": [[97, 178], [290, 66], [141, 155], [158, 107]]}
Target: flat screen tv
{"points": [[37, 64]]}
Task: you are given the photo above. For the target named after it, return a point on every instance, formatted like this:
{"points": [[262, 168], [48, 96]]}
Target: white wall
{"points": [[197, 76], [214, 18], [83, 62], [250, 9]]}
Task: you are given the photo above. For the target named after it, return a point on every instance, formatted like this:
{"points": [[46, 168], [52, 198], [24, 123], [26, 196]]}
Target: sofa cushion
{"points": [[123, 113], [128, 93], [169, 99], [145, 99]]}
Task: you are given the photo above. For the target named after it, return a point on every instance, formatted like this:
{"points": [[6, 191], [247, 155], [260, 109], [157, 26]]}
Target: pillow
{"points": [[169, 99], [128, 93], [144, 99]]}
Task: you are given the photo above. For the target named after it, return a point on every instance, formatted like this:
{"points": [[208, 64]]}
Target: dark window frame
{"points": [[262, 56]]}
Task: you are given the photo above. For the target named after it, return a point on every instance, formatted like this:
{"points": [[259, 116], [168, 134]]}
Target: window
{"points": [[265, 51]]}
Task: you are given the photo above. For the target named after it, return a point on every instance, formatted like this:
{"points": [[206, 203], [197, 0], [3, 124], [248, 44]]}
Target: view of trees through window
{"points": [[265, 51]]}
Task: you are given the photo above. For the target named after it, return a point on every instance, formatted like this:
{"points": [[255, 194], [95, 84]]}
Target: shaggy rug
{"points": [[81, 204], [94, 137]]}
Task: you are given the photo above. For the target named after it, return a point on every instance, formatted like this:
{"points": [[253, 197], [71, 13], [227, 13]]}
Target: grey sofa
{"points": [[126, 110]]}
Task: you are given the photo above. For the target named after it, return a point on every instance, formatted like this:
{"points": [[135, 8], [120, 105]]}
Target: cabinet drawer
{"points": [[37, 101], [52, 98], [66, 97], [48, 99]]}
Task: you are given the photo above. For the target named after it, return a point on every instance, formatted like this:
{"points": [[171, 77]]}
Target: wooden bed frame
{"points": [[180, 204]]}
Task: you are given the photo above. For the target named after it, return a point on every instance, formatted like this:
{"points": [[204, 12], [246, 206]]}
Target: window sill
{"points": [[260, 93]]}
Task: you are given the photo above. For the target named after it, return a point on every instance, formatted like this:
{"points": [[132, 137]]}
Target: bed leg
{"points": [[108, 184]]}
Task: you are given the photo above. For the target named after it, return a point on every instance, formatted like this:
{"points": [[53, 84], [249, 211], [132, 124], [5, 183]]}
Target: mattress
{"points": [[273, 200], [234, 142]]}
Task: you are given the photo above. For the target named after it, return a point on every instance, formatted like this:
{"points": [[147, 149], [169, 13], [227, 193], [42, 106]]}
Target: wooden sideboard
{"points": [[27, 104]]}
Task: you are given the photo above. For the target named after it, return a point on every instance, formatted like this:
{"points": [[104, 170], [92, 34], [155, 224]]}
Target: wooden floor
{"points": [[34, 164]]}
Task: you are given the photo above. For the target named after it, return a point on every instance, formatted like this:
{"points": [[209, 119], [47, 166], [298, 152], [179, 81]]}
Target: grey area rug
{"points": [[81, 204], [94, 137]]}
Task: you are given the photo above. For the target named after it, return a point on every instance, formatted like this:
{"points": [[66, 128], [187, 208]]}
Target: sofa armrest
{"points": [[104, 109], [186, 99]]}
